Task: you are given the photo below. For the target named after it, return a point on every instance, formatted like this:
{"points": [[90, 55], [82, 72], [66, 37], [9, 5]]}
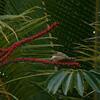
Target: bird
{"points": [[60, 56]]}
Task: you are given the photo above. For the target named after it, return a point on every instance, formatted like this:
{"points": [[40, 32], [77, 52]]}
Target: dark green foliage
{"points": [[26, 81], [2, 7], [73, 16], [21, 79], [74, 79]]}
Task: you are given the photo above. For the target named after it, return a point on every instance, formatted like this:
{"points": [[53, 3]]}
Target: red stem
{"points": [[10, 50], [3, 49], [25, 40], [48, 62]]}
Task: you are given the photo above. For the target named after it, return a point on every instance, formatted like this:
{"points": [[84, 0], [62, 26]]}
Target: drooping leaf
{"points": [[91, 81], [80, 85], [4, 35], [96, 74], [67, 83], [7, 93], [56, 81]]}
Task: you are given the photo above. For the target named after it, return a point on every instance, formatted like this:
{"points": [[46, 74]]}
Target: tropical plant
{"points": [[16, 25], [27, 73]]}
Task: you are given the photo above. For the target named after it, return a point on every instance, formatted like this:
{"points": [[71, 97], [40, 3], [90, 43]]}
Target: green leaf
{"points": [[7, 93], [33, 22], [67, 83], [51, 80], [80, 86], [90, 79], [4, 35], [95, 72], [73, 81], [56, 81], [41, 46], [5, 25], [83, 53], [96, 75]]}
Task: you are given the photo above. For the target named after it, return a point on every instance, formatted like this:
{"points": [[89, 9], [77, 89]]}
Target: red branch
{"points": [[25, 40], [6, 52], [71, 63]]}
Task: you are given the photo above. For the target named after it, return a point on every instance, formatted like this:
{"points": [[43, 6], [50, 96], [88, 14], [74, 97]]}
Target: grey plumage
{"points": [[59, 56]]}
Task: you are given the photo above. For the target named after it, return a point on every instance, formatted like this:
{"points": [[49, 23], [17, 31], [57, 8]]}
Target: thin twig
{"points": [[89, 93], [25, 77]]}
